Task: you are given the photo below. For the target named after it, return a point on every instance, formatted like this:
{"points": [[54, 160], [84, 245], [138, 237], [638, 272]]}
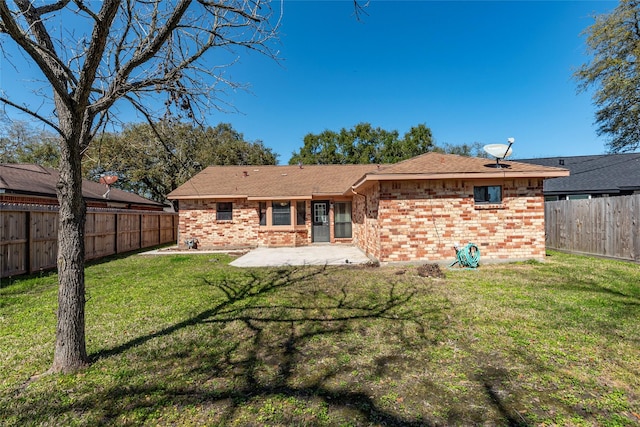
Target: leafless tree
{"points": [[95, 56]]}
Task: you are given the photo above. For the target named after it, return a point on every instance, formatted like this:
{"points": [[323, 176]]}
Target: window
{"points": [[342, 219], [301, 212], [224, 211], [281, 213], [262, 213], [487, 194]]}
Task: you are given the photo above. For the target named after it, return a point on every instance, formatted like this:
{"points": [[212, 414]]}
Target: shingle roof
{"points": [[606, 173], [269, 182], [439, 165], [36, 180]]}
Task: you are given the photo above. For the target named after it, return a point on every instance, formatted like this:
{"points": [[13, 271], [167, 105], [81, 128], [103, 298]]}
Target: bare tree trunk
{"points": [[125, 51], [70, 351]]}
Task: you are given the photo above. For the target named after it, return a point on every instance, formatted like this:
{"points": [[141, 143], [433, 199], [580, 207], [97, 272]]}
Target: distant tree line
{"points": [[153, 160], [364, 144], [148, 160], [21, 143]]}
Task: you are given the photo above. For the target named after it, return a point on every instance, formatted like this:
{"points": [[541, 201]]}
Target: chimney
{"points": [[561, 162]]}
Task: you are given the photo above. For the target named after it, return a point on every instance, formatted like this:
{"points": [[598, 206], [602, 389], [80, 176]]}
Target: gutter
{"points": [[500, 173]]}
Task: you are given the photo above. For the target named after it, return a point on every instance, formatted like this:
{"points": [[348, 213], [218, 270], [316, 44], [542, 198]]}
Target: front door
{"points": [[320, 213]]}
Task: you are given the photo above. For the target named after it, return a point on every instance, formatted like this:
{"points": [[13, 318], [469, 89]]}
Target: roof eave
{"points": [[499, 173], [206, 196], [278, 197]]}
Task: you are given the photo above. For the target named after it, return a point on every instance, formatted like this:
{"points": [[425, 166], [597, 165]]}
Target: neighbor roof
{"points": [[36, 180], [303, 182], [597, 174]]}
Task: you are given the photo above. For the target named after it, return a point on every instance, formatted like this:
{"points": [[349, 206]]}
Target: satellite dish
{"points": [[108, 179], [499, 151]]}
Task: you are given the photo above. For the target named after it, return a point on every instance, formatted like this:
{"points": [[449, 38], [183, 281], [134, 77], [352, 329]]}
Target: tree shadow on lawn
{"points": [[255, 349]]}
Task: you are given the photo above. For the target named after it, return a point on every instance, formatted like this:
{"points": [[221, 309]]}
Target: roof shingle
{"points": [[38, 180], [605, 173], [272, 182]]}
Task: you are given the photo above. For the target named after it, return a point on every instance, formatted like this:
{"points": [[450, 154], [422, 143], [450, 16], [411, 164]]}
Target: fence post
{"points": [[174, 229], [27, 250], [635, 226], [115, 233]]}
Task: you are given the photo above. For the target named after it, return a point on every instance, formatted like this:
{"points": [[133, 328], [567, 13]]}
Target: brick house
{"points": [[414, 210]]}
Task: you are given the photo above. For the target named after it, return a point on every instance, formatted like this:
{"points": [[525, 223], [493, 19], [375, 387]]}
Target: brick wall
{"points": [[421, 220], [50, 201], [398, 221], [273, 238], [198, 221], [365, 229], [32, 200]]}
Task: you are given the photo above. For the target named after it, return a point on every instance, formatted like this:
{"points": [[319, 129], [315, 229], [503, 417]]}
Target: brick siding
{"points": [[398, 221], [198, 221], [365, 229], [421, 220]]}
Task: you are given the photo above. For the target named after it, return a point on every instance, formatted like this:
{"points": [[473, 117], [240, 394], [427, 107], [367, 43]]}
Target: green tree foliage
{"points": [[22, 143], [171, 156], [472, 150], [613, 41], [363, 144]]}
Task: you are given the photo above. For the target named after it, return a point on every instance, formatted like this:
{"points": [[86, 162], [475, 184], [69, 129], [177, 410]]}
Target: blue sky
{"points": [[472, 71]]}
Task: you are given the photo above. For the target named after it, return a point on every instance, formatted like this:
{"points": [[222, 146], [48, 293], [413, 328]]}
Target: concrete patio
{"points": [[318, 254]]}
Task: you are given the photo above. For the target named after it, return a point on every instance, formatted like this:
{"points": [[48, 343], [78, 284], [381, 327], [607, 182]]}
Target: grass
{"points": [[189, 340]]}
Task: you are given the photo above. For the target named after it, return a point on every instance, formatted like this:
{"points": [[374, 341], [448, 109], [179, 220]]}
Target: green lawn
{"points": [[189, 340]]}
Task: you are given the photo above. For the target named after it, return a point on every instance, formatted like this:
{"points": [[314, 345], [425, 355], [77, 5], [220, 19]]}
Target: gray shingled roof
{"points": [[36, 180], [597, 174]]}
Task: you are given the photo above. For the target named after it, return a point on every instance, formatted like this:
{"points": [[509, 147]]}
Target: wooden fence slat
{"points": [[608, 226], [29, 235], [13, 242], [635, 226], [43, 251]]}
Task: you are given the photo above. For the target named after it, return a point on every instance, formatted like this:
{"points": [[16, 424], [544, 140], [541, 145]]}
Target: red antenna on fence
{"points": [[107, 180]]}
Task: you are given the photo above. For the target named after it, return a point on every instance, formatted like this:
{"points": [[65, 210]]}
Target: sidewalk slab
{"points": [[323, 254]]}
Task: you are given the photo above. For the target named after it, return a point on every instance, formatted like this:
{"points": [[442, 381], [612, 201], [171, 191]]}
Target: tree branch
{"points": [[42, 50], [96, 50], [33, 114]]}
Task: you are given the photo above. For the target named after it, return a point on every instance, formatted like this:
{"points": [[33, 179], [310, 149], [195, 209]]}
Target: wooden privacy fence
{"points": [[29, 236], [608, 226]]}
